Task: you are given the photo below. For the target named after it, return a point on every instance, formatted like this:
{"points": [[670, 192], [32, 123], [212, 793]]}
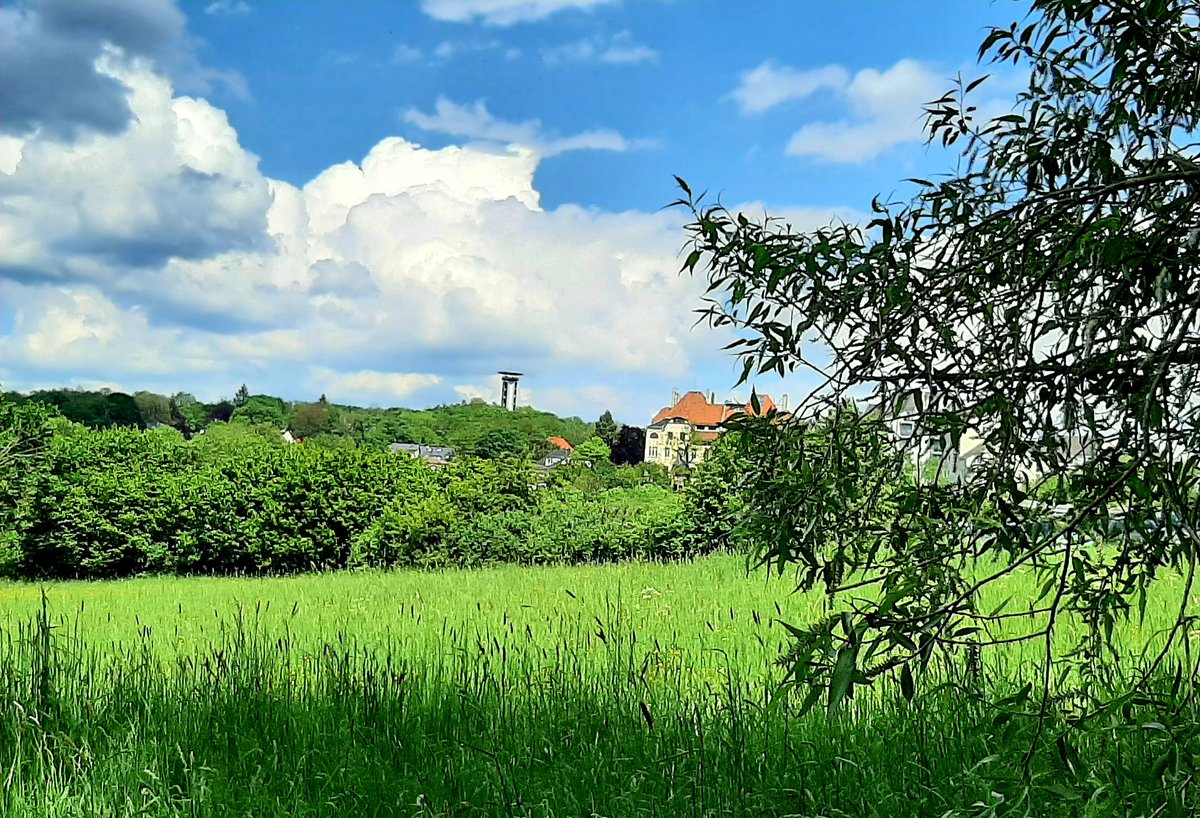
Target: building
{"points": [[433, 455], [560, 443], [681, 434], [554, 459], [936, 457]]}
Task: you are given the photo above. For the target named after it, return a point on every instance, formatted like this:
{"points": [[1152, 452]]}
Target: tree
{"points": [[590, 452], [1043, 300], [310, 419], [241, 396], [221, 411], [498, 444], [192, 413], [262, 409], [153, 408], [607, 429], [630, 448]]}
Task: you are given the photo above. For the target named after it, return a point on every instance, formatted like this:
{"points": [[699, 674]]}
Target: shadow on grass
{"points": [[259, 726]]}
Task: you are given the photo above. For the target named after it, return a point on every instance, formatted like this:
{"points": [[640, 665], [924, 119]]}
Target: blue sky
{"points": [[387, 202]]}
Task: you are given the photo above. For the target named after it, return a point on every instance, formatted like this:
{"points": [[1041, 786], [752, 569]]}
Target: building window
{"points": [[654, 435], [905, 429], [654, 451]]}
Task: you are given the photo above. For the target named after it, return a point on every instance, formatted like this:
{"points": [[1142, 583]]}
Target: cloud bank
{"points": [[159, 256]]}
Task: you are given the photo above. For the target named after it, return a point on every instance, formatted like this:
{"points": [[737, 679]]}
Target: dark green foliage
{"points": [[221, 411], [117, 502], [98, 410], [607, 429], [630, 447]]}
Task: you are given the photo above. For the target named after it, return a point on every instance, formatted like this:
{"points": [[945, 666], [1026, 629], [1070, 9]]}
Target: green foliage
{"points": [[154, 408], [591, 453], [262, 409], [714, 500], [192, 413], [118, 502], [499, 443], [311, 419], [98, 410], [607, 429], [1041, 297], [630, 448]]}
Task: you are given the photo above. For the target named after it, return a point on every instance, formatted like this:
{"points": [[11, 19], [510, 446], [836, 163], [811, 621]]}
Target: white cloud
{"points": [[503, 12], [620, 49], [369, 386], [162, 257], [887, 110], [476, 122], [885, 107], [769, 85], [447, 50], [227, 8], [490, 393], [405, 53]]}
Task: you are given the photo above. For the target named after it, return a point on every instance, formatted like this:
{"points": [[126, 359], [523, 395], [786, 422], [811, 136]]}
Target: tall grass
{"points": [[621, 690]]}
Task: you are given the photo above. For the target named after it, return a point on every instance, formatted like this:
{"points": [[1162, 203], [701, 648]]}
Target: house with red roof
{"points": [[681, 434]]}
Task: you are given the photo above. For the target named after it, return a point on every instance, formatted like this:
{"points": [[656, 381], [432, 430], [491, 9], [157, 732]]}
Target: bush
{"points": [[120, 502]]}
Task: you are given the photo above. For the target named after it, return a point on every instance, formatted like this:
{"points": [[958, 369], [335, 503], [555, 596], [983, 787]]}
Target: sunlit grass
{"points": [[625, 689]]}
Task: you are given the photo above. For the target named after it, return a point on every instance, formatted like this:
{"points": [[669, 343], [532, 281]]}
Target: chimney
{"points": [[783, 402], [674, 396], [712, 397]]}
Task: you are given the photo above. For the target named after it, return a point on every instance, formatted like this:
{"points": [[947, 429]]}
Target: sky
{"points": [[386, 203]]}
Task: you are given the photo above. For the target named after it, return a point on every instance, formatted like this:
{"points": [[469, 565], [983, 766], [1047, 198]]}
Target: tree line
{"points": [[82, 502], [473, 427]]}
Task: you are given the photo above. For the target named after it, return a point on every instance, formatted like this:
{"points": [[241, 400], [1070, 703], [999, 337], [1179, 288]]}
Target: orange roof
{"points": [[696, 410], [560, 443]]}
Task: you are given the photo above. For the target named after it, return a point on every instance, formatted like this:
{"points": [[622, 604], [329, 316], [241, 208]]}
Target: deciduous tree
{"points": [[1042, 300]]}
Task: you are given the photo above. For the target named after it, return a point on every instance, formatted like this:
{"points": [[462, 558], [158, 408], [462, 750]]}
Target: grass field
{"points": [[614, 690]]}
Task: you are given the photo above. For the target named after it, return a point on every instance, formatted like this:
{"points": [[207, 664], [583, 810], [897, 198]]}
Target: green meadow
{"points": [[626, 689]]}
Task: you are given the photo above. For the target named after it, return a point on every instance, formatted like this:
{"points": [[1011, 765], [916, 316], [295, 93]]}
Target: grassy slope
{"points": [[493, 692]]}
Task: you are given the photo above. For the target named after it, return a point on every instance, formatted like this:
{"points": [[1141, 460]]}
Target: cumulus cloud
{"points": [[769, 85], [620, 49], [161, 253], [502, 12], [53, 55], [48, 56], [159, 256], [174, 185], [476, 122], [884, 107], [370, 386]]}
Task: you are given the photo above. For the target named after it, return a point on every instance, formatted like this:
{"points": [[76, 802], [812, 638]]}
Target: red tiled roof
{"points": [[696, 410], [560, 443]]}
